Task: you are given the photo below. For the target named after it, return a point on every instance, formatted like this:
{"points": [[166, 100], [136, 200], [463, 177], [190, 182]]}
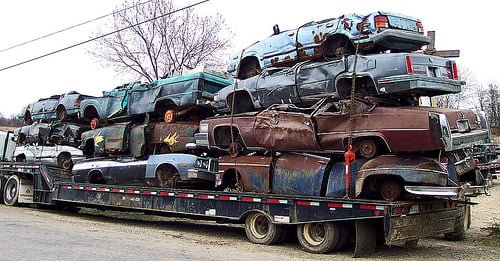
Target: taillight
{"points": [[420, 27], [409, 65], [381, 21], [78, 100], [454, 68]]}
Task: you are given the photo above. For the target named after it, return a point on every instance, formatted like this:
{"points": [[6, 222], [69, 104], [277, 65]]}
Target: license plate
{"points": [[402, 23]]}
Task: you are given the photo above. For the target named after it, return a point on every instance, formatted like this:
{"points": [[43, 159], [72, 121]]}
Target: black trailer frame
{"points": [[402, 221]]}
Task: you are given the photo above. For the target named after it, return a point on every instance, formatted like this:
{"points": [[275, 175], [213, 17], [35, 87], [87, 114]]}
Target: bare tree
{"points": [[155, 49], [463, 98], [492, 107]]}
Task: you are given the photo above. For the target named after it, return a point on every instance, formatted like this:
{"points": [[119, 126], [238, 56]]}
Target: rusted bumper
{"points": [[413, 227]]}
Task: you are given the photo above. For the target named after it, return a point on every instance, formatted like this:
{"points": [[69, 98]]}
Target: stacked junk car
{"points": [[324, 136]]}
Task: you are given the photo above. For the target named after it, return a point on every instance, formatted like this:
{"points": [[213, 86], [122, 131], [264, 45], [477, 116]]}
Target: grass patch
{"points": [[494, 240]]}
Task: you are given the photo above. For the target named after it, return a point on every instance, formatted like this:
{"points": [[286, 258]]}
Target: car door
{"points": [[279, 48], [285, 131], [128, 172], [274, 87], [316, 81]]}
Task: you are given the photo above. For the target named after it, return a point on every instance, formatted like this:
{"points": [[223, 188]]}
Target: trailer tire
{"points": [[11, 191], [2, 184], [462, 223], [320, 238], [260, 230]]}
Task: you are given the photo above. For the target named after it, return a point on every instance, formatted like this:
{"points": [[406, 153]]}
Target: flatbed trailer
{"points": [[322, 223]]}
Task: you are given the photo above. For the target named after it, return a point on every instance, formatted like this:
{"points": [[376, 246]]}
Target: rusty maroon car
{"points": [[375, 129]]}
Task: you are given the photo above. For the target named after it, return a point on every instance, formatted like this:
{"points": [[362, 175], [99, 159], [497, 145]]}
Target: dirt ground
{"points": [[31, 233]]}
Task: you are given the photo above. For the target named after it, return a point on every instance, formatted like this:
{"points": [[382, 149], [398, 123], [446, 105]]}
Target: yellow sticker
{"points": [[171, 139]]}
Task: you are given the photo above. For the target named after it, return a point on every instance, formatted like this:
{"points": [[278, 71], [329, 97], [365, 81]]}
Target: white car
{"points": [[60, 156]]}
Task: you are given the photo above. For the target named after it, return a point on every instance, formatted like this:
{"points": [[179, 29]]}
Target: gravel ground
{"points": [[31, 233]]}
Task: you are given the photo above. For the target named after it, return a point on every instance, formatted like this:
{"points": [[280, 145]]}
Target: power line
{"points": [[71, 27], [102, 36]]}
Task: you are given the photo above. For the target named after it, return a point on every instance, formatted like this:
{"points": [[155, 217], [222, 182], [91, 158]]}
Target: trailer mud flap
{"points": [[413, 227], [366, 238]]}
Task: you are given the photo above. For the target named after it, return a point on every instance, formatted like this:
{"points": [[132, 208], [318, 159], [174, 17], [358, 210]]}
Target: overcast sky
{"points": [[471, 26]]}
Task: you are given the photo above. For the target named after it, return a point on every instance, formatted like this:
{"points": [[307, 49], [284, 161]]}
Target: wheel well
{"points": [[231, 176], [162, 106], [21, 157], [335, 41], [89, 147], [167, 166], [96, 177], [60, 107], [379, 141], [364, 86], [247, 63], [63, 155], [243, 102], [222, 135], [371, 185], [90, 112]]}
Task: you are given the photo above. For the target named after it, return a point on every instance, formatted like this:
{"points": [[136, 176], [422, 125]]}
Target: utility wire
{"points": [[71, 27], [102, 36]]}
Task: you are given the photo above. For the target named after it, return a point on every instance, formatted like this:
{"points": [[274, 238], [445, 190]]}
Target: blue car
{"points": [[334, 37]]}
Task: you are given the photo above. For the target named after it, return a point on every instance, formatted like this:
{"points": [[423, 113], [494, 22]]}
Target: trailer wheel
{"points": [[10, 191], [320, 238], [462, 223], [2, 185], [261, 230]]}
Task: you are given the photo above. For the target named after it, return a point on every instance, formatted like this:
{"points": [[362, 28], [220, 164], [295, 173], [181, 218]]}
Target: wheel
{"points": [[462, 222], [166, 177], [261, 230], [64, 161], [319, 238], [169, 116], [94, 123], [62, 114], [11, 191], [390, 189], [367, 148]]}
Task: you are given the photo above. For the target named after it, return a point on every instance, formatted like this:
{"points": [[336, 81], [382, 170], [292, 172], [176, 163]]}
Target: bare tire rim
{"points": [[390, 190], [368, 149], [94, 123], [11, 191], [62, 115], [259, 226], [314, 234], [169, 116]]}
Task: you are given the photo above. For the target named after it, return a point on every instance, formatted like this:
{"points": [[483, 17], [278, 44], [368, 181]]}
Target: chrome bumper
{"points": [[454, 192]]}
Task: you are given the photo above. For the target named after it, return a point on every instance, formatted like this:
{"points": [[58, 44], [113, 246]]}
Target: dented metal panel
{"points": [[299, 174], [254, 172], [174, 135], [107, 140]]}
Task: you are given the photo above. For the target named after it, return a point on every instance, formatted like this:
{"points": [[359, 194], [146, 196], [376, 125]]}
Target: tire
{"points": [[390, 189], [64, 161], [260, 230], [462, 222], [2, 184], [320, 238], [11, 191], [166, 177], [367, 148]]}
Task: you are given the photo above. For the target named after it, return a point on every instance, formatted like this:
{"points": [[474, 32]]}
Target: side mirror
{"points": [[276, 29]]}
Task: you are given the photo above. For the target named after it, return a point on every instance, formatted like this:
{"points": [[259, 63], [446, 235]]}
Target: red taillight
{"points": [[454, 68], [420, 27], [78, 100], [381, 21], [409, 65]]}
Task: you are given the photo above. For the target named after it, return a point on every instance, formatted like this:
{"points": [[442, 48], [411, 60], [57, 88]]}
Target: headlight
{"points": [[216, 98], [201, 163], [204, 127]]}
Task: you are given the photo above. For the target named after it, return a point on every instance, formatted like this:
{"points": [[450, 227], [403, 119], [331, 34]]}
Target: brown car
{"points": [[326, 128]]}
